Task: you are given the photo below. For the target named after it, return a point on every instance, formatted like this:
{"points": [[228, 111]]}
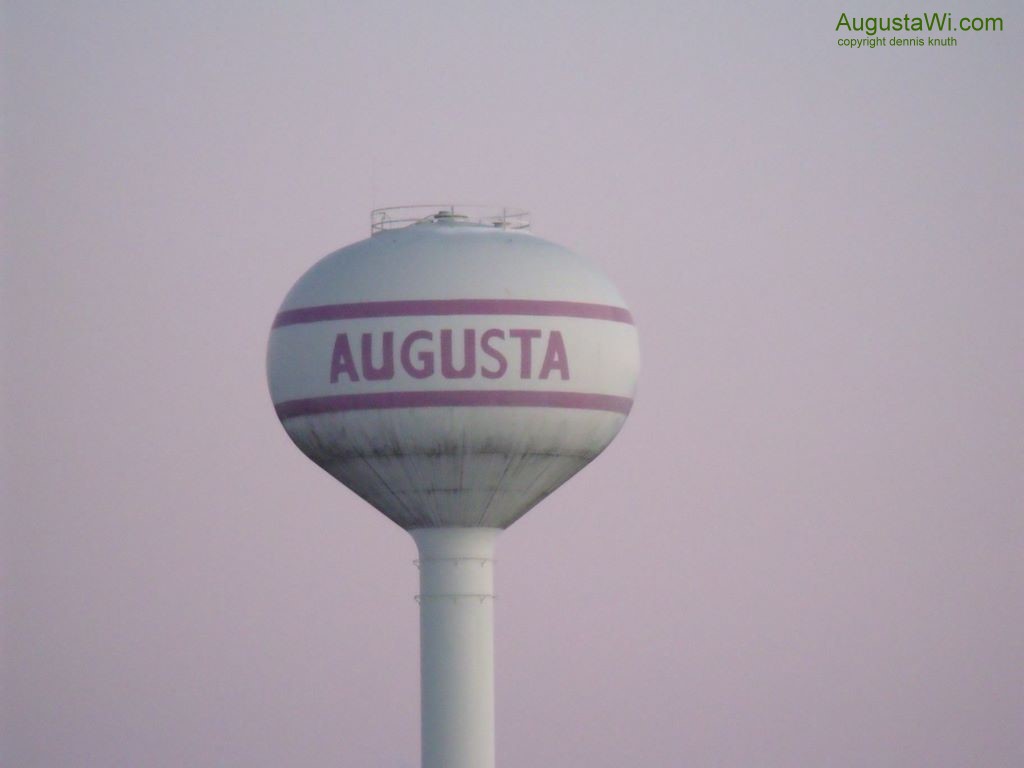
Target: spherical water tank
{"points": [[453, 371]]}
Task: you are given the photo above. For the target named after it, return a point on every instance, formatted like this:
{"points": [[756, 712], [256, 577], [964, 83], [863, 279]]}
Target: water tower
{"points": [[453, 370]]}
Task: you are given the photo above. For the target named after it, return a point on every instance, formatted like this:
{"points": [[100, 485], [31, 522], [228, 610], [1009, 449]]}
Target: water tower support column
{"points": [[457, 646]]}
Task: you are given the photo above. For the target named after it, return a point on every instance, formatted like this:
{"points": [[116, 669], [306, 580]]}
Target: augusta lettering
{"points": [[421, 354]]}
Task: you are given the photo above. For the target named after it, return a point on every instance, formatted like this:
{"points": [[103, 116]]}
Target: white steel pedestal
{"points": [[457, 646]]}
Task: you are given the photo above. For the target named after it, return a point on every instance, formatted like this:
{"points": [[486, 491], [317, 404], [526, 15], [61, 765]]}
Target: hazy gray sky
{"points": [[805, 548]]}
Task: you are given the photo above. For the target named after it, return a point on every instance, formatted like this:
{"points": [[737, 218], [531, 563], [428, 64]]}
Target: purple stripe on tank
{"points": [[443, 307], [311, 406]]}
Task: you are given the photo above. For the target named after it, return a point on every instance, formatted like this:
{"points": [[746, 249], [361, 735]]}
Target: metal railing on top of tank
{"points": [[399, 216]]}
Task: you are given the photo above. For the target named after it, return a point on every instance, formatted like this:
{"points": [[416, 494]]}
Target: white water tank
{"points": [[453, 370]]}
